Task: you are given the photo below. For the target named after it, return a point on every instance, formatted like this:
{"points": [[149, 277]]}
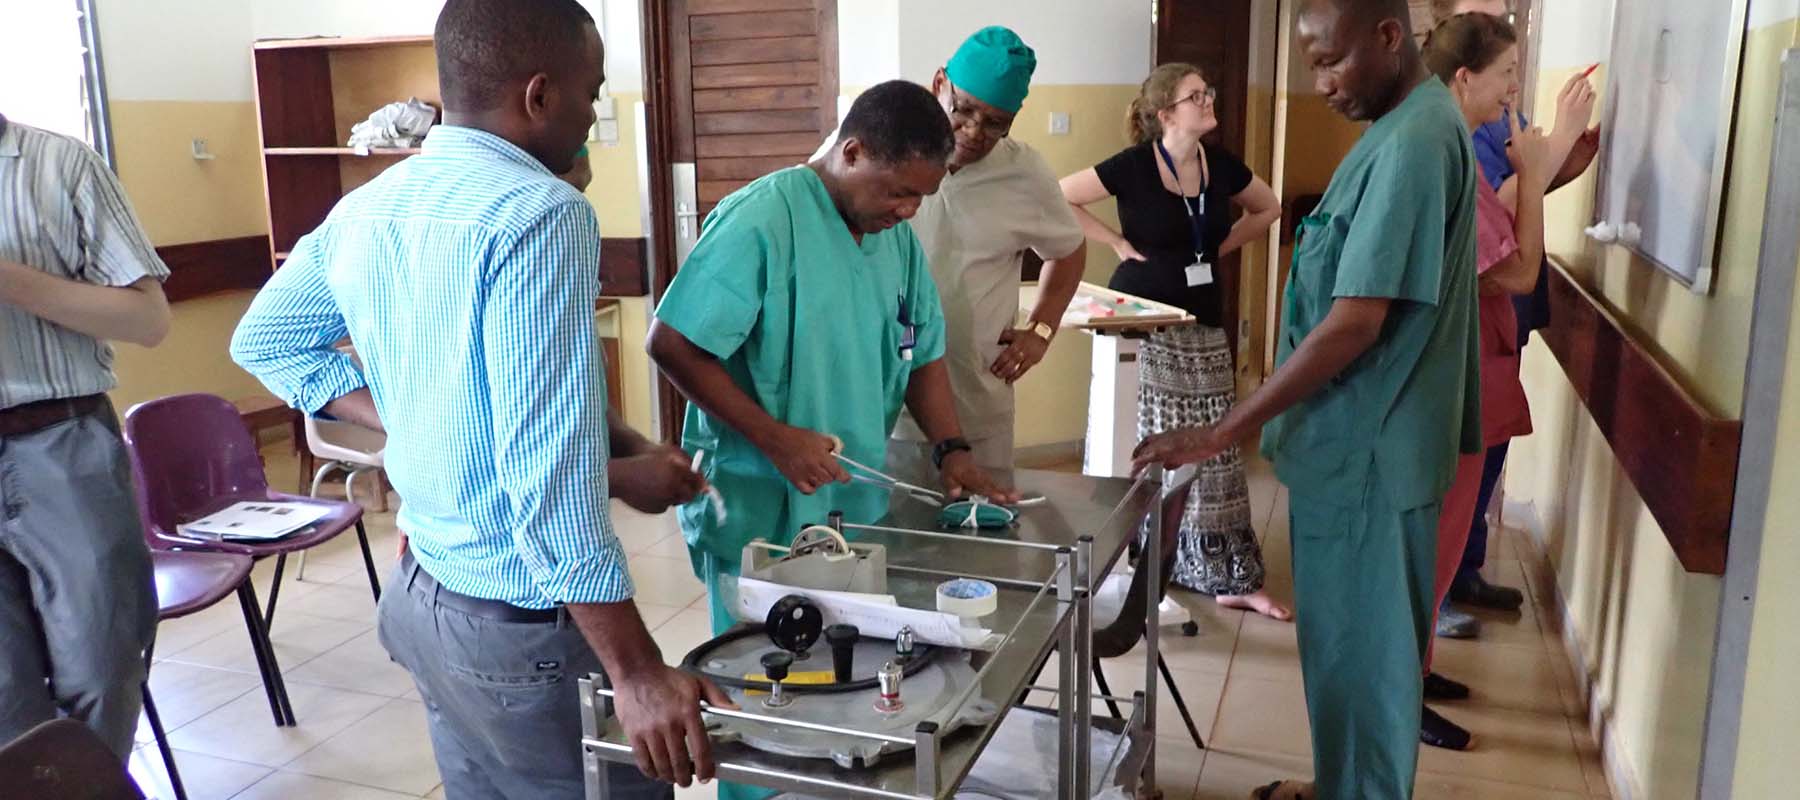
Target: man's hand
{"points": [[660, 710], [961, 476], [1171, 449], [804, 457], [1024, 349], [653, 481], [1587, 145]]}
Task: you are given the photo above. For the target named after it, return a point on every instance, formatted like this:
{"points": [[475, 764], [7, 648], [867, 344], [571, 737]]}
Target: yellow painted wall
{"points": [[181, 199], [192, 359], [1052, 398], [1767, 749], [1645, 627]]}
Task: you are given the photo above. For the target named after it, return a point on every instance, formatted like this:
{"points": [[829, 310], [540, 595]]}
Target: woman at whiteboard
{"points": [[1477, 57], [1175, 197]]}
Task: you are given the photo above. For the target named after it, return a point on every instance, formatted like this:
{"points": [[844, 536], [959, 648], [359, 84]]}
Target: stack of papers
{"points": [[255, 521]]}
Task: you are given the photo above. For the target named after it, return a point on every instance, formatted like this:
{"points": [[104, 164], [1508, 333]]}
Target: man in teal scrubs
{"points": [[1375, 394], [807, 312]]}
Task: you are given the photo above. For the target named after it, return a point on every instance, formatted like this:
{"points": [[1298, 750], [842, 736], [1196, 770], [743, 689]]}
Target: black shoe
{"points": [[1438, 687], [1476, 591], [1436, 731]]}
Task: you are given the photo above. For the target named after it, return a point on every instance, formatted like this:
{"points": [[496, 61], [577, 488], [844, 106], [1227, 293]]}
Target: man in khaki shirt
{"points": [[999, 199]]}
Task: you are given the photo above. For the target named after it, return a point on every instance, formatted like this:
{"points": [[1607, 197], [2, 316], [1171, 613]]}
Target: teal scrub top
{"points": [[1397, 222], [810, 324]]}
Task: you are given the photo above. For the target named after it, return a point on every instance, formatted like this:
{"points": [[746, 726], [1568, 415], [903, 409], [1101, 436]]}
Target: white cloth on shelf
{"points": [[400, 124]]}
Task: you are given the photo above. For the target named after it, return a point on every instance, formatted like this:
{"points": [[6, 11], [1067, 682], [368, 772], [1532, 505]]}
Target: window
{"points": [[50, 69]]}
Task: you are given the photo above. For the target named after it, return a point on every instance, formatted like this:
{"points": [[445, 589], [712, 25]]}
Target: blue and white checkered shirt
{"points": [[466, 277]]}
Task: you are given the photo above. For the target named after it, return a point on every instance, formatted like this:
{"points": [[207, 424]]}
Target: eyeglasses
{"points": [[963, 113], [1201, 99]]}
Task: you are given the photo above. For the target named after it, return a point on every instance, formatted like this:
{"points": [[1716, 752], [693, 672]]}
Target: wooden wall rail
{"points": [[1681, 456]]}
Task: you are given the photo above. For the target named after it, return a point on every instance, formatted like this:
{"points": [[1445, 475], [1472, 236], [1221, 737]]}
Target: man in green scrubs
{"points": [[807, 312], [1375, 395]]}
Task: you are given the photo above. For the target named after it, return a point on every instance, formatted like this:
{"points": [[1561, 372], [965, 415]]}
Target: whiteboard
{"points": [[1670, 92]]}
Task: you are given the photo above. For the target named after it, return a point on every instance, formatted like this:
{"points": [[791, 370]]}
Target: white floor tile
{"points": [[244, 729], [389, 749]]}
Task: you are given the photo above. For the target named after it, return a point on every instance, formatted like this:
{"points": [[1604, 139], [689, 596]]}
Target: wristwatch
{"points": [[1043, 330], [943, 449]]}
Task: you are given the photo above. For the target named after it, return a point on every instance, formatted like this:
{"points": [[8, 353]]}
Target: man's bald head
{"points": [[1362, 53]]}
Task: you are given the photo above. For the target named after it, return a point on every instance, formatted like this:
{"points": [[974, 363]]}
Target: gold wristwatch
{"points": [[1043, 330]]}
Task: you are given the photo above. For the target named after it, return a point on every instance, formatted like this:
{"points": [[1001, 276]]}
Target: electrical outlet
{"points": [[1059, 123], [198, 147], [606, 131]]}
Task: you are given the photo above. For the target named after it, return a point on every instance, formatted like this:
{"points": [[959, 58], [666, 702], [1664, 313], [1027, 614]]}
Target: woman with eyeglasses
{"points": [[1175, 198]]}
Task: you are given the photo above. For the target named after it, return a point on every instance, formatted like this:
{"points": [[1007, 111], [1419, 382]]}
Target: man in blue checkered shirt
{"points": [[466, 276]]}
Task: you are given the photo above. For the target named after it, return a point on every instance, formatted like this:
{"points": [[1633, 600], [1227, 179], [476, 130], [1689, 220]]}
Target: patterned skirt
{"points": [[1185, 380]]}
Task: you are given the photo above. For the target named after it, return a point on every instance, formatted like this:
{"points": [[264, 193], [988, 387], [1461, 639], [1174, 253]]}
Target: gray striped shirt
{"points": [[63, 212]]}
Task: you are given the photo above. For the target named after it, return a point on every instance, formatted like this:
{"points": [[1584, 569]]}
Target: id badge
{"points": [[1199, 273]]}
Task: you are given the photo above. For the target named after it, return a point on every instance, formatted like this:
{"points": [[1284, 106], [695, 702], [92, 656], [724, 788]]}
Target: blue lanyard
{"points": [[1196, 210]]}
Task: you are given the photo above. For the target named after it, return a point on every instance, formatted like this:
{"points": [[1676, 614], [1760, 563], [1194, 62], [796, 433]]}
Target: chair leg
{"points": [[1180, 704], [274, 686], [1100, 683], [274, 591], [362, 538], [162, 744]]}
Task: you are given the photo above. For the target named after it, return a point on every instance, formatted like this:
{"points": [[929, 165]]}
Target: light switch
{"points": [[1059, 123]]}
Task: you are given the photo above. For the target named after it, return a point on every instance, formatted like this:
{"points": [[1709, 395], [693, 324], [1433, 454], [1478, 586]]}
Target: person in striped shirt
{"points": [[467, 276], [77, 603]]}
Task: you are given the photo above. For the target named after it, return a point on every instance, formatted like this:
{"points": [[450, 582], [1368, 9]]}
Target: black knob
{"points": [[794, 623], [843, 650], [775, 665]]}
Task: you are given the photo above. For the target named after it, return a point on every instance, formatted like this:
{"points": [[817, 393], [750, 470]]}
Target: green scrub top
{"points": [[811, 325], [1397, 222]]}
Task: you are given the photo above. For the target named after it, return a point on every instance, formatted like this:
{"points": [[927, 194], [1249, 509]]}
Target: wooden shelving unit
{"points": [[308, 94]]}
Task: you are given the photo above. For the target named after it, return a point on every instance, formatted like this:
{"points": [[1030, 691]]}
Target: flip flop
{"points": [[1283, 790]]}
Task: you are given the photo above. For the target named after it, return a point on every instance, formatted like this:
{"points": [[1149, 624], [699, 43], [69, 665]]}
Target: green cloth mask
{"points": [[995, 67]]}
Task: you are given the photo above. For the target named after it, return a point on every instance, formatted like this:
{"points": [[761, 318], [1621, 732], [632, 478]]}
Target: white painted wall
{"points": [[1077, 41], [618, 21], [195, 50], [868, 41]]}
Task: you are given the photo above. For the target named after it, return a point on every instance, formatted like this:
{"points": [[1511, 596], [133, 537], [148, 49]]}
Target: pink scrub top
{"points": [[1504, 410]]}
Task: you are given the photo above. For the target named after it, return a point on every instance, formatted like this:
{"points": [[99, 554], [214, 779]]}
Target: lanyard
{"points": [[1196, 210]]}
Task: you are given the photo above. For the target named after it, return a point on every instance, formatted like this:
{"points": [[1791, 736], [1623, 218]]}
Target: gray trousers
{"points": [[500, 697], [77, 597]]}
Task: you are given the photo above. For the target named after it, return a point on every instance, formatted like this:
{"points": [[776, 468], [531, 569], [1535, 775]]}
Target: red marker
{"points": [[1590, 70]]}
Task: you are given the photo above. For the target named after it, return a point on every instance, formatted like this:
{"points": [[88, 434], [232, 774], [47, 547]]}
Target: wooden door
{"points": [[738, 89], [1215, 36]]}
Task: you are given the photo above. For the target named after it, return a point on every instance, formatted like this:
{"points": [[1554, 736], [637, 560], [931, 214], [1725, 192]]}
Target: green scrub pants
{"points": [[715, 572], [1363, 590]]}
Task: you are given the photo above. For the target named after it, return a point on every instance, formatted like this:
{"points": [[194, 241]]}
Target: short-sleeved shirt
{"points": [[811, 325], [1397, 222], [1532, 309], [1505, 413], [63, 212], [1156, 222], [975, 231]]}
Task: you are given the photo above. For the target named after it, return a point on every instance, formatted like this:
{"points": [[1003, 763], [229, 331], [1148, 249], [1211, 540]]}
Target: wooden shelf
{"points": [[341, 42], [340, 151]]}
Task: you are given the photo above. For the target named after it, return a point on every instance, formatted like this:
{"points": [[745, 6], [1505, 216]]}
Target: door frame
{"points": [[660, 121]]}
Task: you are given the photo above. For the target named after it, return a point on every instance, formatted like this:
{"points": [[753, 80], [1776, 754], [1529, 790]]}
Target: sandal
{"points": [[1283, 790]]}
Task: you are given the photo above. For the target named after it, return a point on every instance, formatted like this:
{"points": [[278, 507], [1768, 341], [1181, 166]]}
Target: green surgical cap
{"points": [[994, 66]]}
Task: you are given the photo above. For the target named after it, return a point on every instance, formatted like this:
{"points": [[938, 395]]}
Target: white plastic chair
{"points": [[345, 447]]}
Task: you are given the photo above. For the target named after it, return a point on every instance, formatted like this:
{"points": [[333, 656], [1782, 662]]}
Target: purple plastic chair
{"points": [[192, 456], [188, 581]]}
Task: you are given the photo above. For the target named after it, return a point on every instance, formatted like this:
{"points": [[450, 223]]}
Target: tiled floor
{"points": [[362, 729]]}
